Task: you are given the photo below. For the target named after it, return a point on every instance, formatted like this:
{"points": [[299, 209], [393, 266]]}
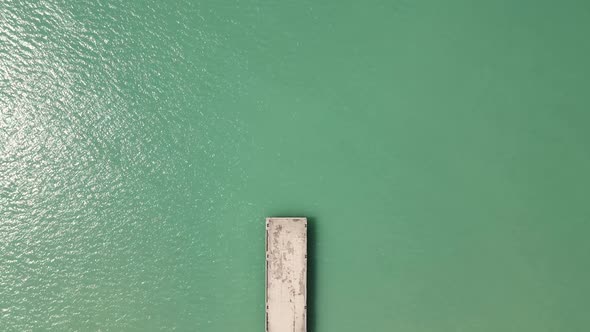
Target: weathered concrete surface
{"points": [[286, 274]]}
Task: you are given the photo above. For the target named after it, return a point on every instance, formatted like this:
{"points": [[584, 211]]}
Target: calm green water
{"points": [[440, 148]]}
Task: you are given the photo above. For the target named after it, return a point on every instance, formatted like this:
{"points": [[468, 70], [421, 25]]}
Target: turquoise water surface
{"points": [[439, 148]]}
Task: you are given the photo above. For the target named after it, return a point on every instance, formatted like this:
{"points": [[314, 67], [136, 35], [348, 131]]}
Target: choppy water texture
{"points": [[440, 149]]}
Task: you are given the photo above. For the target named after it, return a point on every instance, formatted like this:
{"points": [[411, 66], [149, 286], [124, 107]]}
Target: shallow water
{"points": [[440, 149]]}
